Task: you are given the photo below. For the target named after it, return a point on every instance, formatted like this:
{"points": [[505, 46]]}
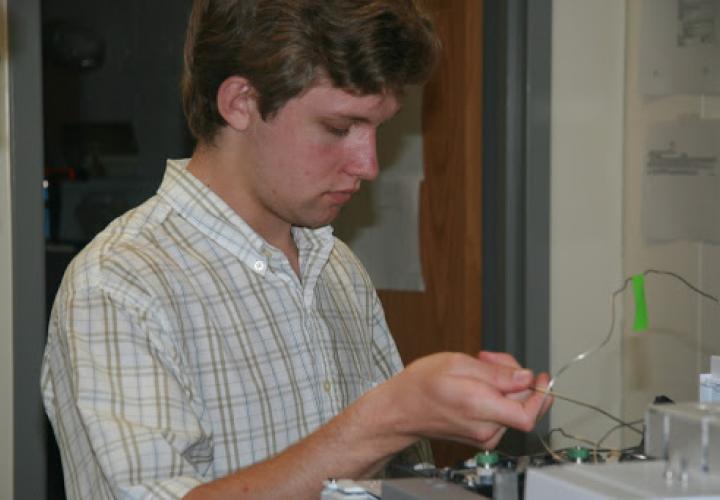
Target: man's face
{"points": [[309, 159]]}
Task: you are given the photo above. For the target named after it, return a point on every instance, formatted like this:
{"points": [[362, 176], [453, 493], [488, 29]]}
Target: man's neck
{"points": [[221, 175]]}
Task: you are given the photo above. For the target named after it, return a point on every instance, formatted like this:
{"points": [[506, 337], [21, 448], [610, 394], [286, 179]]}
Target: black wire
{"points": [[685, 282]]}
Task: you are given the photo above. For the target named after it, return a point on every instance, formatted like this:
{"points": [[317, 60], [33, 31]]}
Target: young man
{"points": [[217, 341]]}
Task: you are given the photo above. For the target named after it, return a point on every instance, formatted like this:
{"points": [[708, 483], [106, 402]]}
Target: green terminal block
{"points": [[578, 454], [487, 458]]}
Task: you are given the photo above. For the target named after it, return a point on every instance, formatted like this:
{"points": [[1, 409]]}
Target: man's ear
{"points": [[236, 102]]}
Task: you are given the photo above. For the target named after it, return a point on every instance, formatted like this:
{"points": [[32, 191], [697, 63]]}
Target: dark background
{"points": [[137, 82], [125, 102]]}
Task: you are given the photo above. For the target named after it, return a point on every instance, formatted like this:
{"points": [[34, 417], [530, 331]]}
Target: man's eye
{"points": [[338, 132]]}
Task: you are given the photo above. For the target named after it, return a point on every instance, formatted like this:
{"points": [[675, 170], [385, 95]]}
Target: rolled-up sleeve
{"points": [[123, 408]]}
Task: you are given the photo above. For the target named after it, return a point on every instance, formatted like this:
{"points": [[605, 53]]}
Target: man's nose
{"points": [[364, 164]]}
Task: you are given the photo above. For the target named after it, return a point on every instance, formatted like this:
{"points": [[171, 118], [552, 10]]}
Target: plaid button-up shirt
{"points": [[183, 347]]}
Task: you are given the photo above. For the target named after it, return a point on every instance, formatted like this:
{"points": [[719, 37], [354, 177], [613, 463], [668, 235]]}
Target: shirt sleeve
{"points": [[386, 358], [123, 409]]}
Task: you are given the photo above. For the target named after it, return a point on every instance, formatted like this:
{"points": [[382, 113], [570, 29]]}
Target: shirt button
{"points": [[326, 386], [259, 266]]}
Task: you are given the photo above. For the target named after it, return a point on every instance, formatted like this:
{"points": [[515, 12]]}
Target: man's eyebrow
{"points": [[351, 118], [358, 118]]}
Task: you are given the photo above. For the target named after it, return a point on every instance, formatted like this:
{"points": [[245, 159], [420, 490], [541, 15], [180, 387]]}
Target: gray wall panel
{"points": [[28, 245]]}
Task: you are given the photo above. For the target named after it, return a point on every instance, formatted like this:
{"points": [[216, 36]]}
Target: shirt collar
{"points": [[205, 210]]}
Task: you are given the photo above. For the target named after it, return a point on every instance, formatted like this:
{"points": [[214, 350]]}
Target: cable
{"points": [[585, 354], [683, 280], [621, 422], [569, 436], [558, 457], [619, 426]]}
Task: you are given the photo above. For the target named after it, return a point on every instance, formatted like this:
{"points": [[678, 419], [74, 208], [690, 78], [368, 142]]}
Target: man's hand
{"points": [[466, 399], [446, 395], [540, 383]]}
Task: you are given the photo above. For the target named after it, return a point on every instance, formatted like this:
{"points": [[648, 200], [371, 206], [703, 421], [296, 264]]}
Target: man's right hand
{"points": [[458, 397]]}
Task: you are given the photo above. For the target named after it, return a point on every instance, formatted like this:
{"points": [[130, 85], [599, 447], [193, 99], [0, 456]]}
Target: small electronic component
{"points": [[710, 383], [578, 454], [342, 489]]}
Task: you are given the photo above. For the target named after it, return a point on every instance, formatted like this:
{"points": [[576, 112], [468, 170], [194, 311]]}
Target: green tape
{"points": [[641, 313]]}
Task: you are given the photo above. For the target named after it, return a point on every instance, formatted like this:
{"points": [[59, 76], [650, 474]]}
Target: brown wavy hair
{"points": [[283, 46]]}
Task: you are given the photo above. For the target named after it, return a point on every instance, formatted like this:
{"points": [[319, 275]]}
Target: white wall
{"points": [[683, 327], [6, 347], [586, 206]]}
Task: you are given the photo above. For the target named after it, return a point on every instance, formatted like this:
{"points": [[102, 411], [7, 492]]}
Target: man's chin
{"points": [[320, 221]]}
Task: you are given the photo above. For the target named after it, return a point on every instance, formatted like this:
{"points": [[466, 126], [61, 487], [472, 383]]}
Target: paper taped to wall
{"points": [[680, 47], [681, 192]]}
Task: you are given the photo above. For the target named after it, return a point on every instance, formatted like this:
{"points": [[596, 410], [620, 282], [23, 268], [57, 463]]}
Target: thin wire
{"points": [[569, 436], [608, 433], [684, 281], [619, 426], [596, 445], [558, 457], [552, 453], [620, 421], [585, 354]]}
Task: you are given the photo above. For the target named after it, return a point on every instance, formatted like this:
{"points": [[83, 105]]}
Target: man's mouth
{"points": [[341, 197]]}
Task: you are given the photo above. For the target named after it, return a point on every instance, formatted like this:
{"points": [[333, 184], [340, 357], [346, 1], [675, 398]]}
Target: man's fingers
{"points": [[541, 385], [515, 414], [468, 397], [500, 358], [504, 359], [542, 381], [502, 377], [490, 405], [521, 414], [521, 395], [538, 404]]}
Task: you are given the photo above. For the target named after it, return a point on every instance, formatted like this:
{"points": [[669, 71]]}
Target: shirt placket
{"points": [[312, 333], [317, 332]]}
